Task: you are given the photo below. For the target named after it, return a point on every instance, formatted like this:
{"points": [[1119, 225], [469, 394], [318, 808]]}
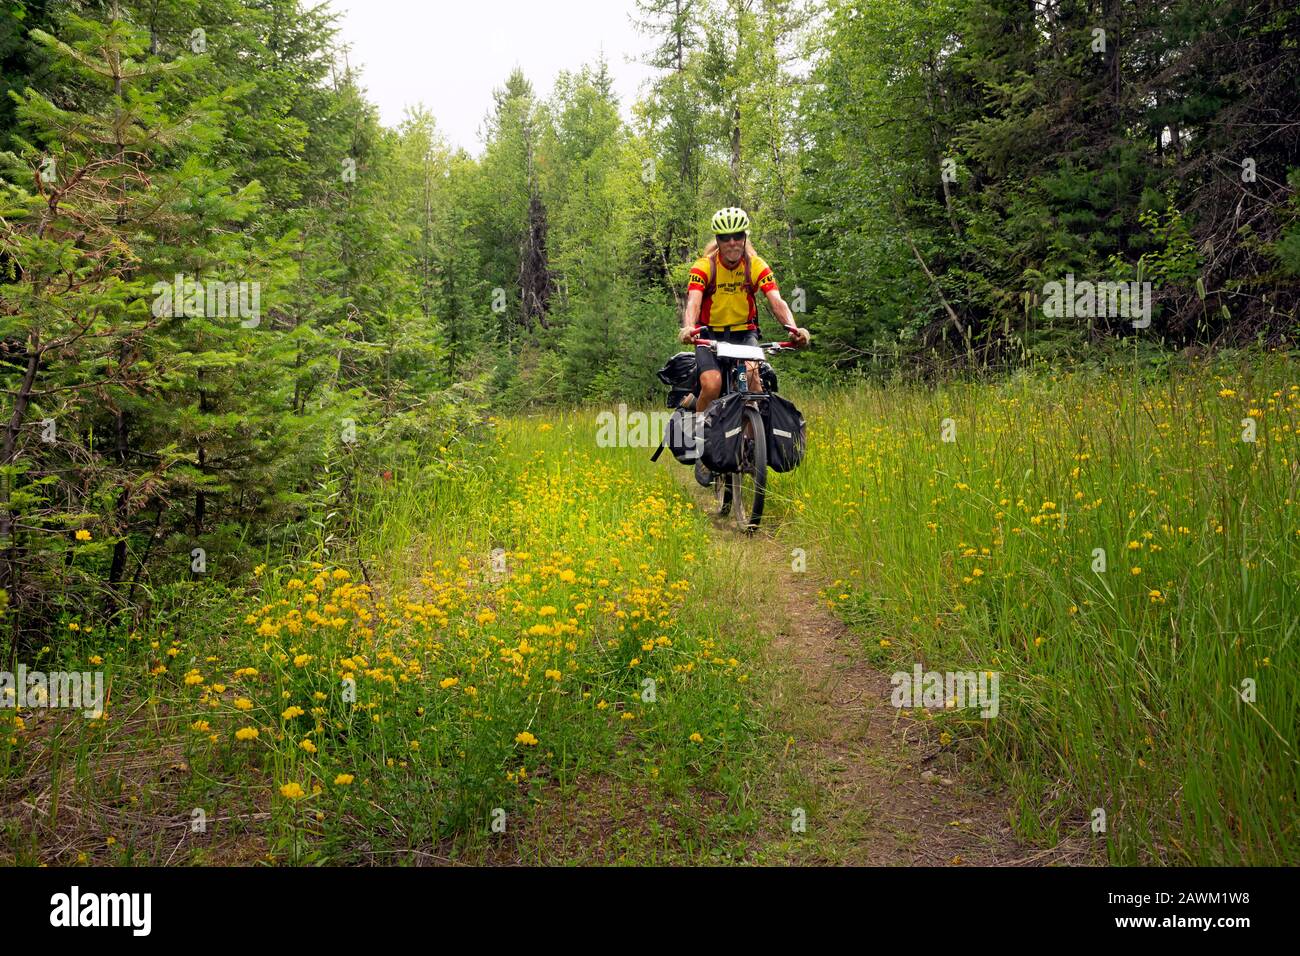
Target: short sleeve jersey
{"points": [[732, 306]]}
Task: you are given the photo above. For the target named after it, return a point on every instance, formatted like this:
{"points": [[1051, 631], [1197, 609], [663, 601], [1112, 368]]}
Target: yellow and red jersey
{"points": [[732, 305]]}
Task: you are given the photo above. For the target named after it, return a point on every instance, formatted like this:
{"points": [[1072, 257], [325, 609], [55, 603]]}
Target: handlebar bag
{"points": [[787, 436], [723, 427]]}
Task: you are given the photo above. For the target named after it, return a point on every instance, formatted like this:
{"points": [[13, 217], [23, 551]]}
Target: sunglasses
{"points": [[730, 236]]}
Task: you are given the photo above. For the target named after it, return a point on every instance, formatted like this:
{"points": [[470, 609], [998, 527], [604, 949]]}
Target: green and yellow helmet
{"points": [[731, 219]]}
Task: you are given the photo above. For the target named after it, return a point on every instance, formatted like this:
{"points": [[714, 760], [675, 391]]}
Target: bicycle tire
{"points": [[747, 496]]}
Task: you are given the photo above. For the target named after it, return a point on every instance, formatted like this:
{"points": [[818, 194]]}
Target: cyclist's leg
{"points": [[708, 387], [710, 376], [752, 377]]}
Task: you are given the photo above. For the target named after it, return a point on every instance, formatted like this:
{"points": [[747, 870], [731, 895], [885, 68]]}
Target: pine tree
{"points": [[98, 196]]}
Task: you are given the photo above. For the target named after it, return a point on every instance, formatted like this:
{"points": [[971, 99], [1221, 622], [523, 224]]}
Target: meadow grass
{"points": [[1161, 691], [525, 619], [390, 697]]}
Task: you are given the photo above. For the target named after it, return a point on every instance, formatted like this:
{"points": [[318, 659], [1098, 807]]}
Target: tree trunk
{"points": [[23, 398], [535, 280], [200, 499], [735, 153], [8, 540], [117, 570], [678, 28], [534, 272]]}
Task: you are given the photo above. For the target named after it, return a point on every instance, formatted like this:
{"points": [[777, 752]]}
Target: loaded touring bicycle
{"points": [[744, 433]]}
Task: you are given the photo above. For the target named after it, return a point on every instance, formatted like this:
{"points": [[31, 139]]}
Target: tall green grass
{"points": [[1124, 690]]}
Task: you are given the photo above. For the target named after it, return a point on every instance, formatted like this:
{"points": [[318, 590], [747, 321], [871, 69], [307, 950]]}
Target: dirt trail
{"points": [[874, 787], [879, 790]]}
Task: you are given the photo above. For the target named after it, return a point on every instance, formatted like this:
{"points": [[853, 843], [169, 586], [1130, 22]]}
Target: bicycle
{"points": [[742, 492]]}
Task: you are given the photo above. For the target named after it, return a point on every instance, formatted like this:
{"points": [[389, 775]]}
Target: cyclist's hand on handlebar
{"points": [[686, 336], [800, 337]]}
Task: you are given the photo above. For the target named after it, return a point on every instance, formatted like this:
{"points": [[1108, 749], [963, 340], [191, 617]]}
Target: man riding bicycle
{"points": [[720, 295]]}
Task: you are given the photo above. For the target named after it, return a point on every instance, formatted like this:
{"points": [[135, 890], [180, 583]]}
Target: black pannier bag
{"points": [[786, 434], [723, 433], [680, 438], [679, 371]]}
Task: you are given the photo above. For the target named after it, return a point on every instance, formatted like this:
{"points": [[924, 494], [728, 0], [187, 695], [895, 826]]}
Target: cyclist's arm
{"points": [[691, 314], [781, 310]]}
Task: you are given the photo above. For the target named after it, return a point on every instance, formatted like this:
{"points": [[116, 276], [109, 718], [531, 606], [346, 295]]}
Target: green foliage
{"points": [[159, 421], [917, 170], [1286, 251], [1174, 259], [1053, 148]]}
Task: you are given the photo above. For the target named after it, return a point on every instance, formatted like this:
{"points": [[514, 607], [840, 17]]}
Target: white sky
{"points": [[451, 55]]}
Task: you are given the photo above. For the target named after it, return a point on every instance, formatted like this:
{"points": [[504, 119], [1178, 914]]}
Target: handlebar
{"points": [[769, 346]]}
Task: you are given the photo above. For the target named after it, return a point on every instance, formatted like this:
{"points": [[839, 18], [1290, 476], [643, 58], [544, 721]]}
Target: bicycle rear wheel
{"points": [[749, 485]]}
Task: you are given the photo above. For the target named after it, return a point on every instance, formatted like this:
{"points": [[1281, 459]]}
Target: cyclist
{"points": [[720, 295]]}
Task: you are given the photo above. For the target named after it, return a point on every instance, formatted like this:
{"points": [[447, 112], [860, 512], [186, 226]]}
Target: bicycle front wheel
{"points": [[749, 485]]}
